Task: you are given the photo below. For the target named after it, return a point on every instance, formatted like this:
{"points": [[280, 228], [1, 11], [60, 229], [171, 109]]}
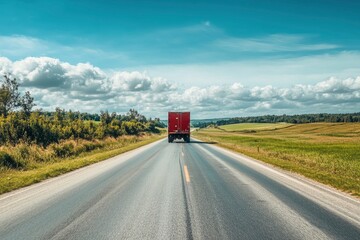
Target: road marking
{"points": [[182, 153], [187, 176]]}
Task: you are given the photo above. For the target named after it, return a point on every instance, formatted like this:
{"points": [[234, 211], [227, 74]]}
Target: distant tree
{"points": [[296, 119], [9, 95], [105, 117], [135, 115], [59, 114], [70, 116], [27, 103]]}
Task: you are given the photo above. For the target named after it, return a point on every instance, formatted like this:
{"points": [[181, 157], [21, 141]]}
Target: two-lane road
{"points": [[178, 191]]}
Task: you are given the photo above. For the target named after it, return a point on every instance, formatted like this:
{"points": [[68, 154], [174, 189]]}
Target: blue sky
{"points": [[162, 32], [188, 45]]}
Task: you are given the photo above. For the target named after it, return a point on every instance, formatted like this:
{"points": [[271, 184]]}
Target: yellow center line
{"points": [[187, 176]]}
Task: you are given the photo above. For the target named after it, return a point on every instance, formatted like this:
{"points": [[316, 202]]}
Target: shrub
{"points": [[63, 150], [8, 161]]}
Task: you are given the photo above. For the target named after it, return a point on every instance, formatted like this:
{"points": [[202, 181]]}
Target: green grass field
{"points": [[326, 152], [253, 126]]}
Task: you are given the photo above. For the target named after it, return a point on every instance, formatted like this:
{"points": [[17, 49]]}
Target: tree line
{"points": [[295, 119], [20, 124]]}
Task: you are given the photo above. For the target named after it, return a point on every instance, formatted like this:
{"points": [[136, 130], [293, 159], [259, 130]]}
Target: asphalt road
{"points": [[178, 191]]}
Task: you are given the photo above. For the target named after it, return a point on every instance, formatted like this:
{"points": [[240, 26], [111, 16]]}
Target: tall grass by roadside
{"points": [[326, 152], [22, 165], [25, 157]]}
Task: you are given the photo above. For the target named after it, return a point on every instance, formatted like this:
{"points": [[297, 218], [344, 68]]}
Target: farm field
{"points": [[254, 126], [326, 152]]}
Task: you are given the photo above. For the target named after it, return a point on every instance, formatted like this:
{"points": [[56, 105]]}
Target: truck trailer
{"points": [[178, 126]]}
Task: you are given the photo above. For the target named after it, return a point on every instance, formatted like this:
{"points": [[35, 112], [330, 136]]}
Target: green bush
{"points": [[46, 128], [63, 150], [8, 161]]}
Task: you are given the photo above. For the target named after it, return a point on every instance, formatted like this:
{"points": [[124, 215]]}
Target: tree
{"points": [[9, 95], [106, 118], [59, 115], [27, 103]]}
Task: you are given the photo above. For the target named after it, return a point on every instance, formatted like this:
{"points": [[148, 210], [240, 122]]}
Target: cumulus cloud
{"points": [[131, 81], [40, 72], [139, 82], [332, 95], [85, 87]]}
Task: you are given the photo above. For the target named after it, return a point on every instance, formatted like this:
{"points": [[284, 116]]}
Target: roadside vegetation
{"points": [[326, 152], [35, 145], [36, 171]]}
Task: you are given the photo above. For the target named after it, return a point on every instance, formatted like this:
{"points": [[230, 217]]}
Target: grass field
{"points": [[326, 152], [253, 126]]}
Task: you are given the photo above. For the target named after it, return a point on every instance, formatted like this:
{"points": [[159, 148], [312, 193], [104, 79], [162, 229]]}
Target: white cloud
{"points": [[18, 45], [5, 65], [85, 87], [272, 43], [138, 82], [40, 72], [131, 81], [280, 72]]}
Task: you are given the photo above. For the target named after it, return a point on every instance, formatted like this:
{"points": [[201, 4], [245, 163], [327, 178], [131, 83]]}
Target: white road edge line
{"points": [[47, 181]]}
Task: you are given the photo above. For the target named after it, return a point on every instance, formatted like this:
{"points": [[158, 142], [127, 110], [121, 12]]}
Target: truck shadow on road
{"points": [[197, 142]]}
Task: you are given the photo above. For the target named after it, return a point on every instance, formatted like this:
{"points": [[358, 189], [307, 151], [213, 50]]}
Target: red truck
{"points": [[179, 126]]}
